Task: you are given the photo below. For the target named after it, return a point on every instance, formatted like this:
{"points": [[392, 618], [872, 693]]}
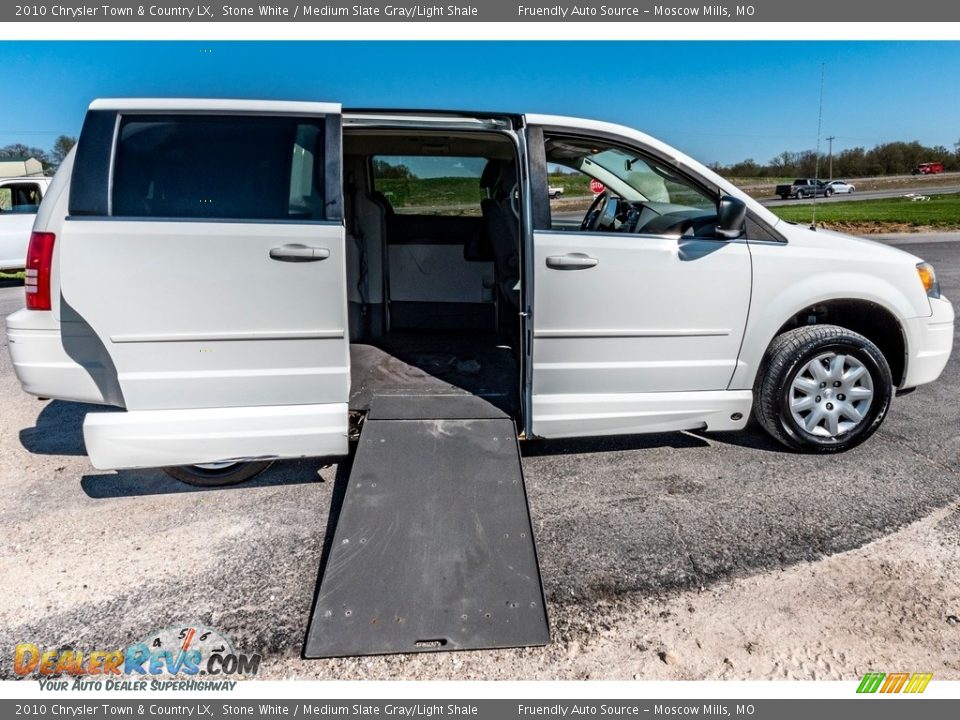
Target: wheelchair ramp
{"points": [[433, 549]]}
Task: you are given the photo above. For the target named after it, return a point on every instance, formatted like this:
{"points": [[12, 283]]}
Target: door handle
{"points": [[299, 253], [572, 261]]}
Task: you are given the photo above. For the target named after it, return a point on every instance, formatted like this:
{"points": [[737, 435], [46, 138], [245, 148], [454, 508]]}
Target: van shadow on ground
{"points": [[59, 431]]}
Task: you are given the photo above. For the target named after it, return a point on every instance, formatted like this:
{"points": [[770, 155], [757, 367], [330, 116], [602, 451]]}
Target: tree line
{"points": [[50, 159], [893, 158]]}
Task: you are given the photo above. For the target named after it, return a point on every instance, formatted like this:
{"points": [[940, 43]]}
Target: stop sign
{"points": [[596, 187]]}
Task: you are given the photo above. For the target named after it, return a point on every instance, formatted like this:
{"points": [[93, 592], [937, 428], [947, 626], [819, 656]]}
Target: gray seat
{"points": [[502, 223]]}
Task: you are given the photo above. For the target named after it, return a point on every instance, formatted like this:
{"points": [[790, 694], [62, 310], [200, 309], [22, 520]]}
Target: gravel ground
{"points": [[664, 556]]}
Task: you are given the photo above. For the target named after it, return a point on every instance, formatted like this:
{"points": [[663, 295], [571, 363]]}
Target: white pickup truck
{"points": [[19, 199], [240, 307]]}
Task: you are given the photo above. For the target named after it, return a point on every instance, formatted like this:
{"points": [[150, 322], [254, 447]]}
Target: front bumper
{"points": [[929, 342]]}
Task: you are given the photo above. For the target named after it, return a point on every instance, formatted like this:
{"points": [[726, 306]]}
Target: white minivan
{"points": [[241, 277], [19, 199]]}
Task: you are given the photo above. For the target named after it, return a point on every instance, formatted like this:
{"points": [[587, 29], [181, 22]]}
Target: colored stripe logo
{"points": [[884, 683]]}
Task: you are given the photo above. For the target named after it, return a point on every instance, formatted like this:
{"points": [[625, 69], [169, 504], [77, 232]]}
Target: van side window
{"points": [[430, 185], [598, 186], [232, 168], [20, 198]]}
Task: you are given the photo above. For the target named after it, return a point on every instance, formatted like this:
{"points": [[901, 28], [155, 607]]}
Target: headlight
{"points": [[928, 278]]}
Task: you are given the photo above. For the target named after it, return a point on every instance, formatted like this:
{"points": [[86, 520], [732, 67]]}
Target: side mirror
{"points": [[731, 215]]}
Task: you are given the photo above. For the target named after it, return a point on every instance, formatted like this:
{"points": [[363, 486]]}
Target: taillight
{"points": [[39, 263]]}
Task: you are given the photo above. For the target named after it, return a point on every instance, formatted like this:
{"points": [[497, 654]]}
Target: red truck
{"points": [[928, 168]]}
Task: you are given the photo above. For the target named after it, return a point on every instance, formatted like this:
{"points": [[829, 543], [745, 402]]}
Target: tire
{"points": [[797, 401], [828, 193], [217, 474], [784, 197], [800, 195]]}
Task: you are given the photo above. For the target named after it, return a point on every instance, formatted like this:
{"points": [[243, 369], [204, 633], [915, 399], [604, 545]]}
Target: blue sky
{"points": [[718, 101]]}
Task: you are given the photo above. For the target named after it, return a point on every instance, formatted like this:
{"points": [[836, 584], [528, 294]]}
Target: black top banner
{"points": [[488, 11]]}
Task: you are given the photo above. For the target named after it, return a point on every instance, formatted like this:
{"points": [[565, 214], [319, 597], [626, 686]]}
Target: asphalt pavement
{"points": [[97, 558]]}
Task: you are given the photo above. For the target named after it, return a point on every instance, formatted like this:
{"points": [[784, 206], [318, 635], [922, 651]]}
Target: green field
{"points": [[11, 275], [574, 185], [457, 193], [430, 192], [940, 211]]}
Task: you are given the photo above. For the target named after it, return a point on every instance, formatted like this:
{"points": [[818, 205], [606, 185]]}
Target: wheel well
{"points": [[872, 321]]}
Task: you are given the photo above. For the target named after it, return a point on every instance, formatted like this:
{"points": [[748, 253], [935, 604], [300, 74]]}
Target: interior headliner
{"points": [[419, 142]]}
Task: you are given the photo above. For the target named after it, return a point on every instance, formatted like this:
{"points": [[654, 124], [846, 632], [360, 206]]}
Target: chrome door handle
{"points": [[572, 261], [299, 253]]}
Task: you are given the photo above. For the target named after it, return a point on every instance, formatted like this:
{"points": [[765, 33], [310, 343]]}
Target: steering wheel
{"points": [[602, 213]]}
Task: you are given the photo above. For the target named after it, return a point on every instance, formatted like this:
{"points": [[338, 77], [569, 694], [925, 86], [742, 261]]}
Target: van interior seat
{"points": [[367, 216], [502, 223]]}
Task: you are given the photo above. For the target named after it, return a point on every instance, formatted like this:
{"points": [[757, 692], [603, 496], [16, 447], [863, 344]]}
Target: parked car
{"points": [[839, 187], [928, 168], [801, 188], [293, 290], [19, 199], [555, 192]]}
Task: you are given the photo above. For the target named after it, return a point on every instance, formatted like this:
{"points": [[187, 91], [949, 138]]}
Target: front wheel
{"points": [[217, 474], [823, 389]]}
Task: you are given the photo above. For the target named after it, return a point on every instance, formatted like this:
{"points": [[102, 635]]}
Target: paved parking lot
{"points": [[674, 555]]}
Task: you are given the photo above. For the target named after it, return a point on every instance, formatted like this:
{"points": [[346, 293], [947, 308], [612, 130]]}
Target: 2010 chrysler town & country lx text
{"points": [[241, 277]]}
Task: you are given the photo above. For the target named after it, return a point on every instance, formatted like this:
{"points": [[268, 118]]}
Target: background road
{"points": [[866, 195], [561, 208], [97, 559]]}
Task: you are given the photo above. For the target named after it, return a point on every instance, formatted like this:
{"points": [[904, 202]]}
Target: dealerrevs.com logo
{"points": [[891, 683], [174, 658]]}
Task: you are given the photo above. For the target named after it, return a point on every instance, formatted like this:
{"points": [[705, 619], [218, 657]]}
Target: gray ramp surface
{"points": [[433, 549]]}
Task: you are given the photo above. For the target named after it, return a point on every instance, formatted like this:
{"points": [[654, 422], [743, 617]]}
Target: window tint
{"points": [[427, 185], [251, 168]]}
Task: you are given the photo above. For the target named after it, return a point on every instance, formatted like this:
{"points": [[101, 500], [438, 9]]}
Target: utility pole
{"points": [[830, 140]]}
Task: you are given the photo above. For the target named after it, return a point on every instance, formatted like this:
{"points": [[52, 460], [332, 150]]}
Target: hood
{"points": [[847, 244]]}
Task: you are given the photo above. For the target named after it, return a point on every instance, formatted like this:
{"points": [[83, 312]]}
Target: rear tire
{"points": [[822, 389], [217, 474]]}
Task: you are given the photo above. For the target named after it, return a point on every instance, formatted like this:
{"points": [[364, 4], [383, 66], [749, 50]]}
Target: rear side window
{"points": [[430, 185], [20, 198], [240, 168]]}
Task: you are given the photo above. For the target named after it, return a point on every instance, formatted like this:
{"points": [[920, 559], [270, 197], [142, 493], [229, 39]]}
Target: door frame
{"points": [[535, 213]]}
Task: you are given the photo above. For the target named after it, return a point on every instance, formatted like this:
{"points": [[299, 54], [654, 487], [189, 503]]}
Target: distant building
{"points": [[20, 167]]}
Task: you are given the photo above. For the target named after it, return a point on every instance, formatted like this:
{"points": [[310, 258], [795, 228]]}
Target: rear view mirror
{"points": [[730, 217]]}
